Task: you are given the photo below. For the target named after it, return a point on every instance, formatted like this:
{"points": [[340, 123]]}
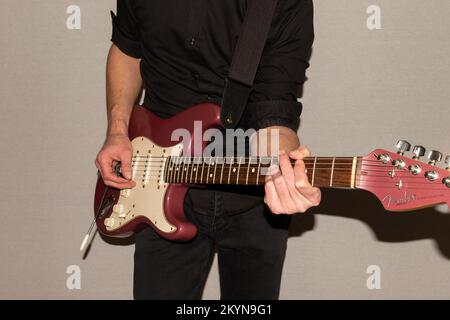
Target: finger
{"points": [[286, 168], [108, 173], [300, 153], [284, 194], [303, 185], [127, 185], [271, 197], [126, 165], [311, 194], [300, 176], [290, 179]]}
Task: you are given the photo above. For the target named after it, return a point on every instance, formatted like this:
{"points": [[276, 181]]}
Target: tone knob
{"points": [[434, 156], [109, 222], [447, 162], [418, 151], [403, 146]]}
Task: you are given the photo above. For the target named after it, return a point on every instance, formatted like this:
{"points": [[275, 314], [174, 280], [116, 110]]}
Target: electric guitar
{"points": [[163, 170]]}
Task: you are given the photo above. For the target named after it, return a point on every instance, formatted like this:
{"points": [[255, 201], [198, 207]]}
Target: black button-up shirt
{"points": [[186, 49]]}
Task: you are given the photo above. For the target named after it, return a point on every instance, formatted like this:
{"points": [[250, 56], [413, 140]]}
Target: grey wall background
{"points": [[366, 89]]}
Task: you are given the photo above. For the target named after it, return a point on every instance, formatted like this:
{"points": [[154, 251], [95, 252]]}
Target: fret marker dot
{"points": [[253, 170], [234, 169], [210, 175]]}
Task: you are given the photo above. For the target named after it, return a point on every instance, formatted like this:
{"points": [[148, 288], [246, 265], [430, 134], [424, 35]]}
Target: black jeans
{"points": [[251, 248]]}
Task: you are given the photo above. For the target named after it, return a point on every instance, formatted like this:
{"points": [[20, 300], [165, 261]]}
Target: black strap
{"points": [[245, 62]]}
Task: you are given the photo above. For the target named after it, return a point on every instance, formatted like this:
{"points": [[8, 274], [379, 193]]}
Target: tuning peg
{"points": [[434, 156], [418, 151], [447, 162], [403, 146]]}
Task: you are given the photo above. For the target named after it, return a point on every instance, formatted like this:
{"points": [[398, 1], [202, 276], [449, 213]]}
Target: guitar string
{"points": [[362, 178]]}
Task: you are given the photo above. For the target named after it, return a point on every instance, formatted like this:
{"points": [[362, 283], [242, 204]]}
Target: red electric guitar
{"points": [[163, 169]]}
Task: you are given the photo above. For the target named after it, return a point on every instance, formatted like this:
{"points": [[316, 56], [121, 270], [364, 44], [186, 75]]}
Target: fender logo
{"points": [[405, 199]]}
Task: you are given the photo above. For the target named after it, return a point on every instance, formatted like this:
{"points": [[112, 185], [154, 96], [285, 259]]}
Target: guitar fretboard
{"points": [[336, 172]]}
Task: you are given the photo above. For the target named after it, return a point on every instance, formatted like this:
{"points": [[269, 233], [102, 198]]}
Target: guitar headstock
{"points": [[404, 183]]}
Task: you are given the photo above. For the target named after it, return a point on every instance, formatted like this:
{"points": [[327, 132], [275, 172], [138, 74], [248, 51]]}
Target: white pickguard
{"points": [[147, 197]]}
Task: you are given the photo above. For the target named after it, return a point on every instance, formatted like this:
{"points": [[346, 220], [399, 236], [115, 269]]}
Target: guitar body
{"points": [[154, 202]]}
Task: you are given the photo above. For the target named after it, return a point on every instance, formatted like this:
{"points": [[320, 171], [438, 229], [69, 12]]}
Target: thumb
{"points": [[126, 167]]}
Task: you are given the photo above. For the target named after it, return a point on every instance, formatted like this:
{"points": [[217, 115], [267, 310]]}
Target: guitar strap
{"points": [[245, 61]]}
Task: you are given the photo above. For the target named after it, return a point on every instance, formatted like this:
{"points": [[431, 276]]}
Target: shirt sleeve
{"points": [[125, 30], [273, 101]]}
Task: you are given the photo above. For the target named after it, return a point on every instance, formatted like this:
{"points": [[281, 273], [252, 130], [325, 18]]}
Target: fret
{"points": [[332, 172], [314, 171], [229, 169], [209, 167], [179, 169], [203, 168], [196, 169], [248, 170], [239, 168], [215, 168], [223, 165], [259, 169], [183, 169], [191, 169]]}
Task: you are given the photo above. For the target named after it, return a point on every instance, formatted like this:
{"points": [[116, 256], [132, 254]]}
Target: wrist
{"points": [[117, 127]]}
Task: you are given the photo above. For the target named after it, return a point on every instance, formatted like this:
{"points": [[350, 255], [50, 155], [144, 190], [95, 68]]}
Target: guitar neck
{"points": [[332, 172]]}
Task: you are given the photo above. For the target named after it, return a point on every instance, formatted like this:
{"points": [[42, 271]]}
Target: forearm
{"points": [[288, 139], [123, 84], [271, 140]]}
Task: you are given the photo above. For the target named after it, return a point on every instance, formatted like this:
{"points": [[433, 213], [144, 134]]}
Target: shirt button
{"points": [[192, 41]]}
